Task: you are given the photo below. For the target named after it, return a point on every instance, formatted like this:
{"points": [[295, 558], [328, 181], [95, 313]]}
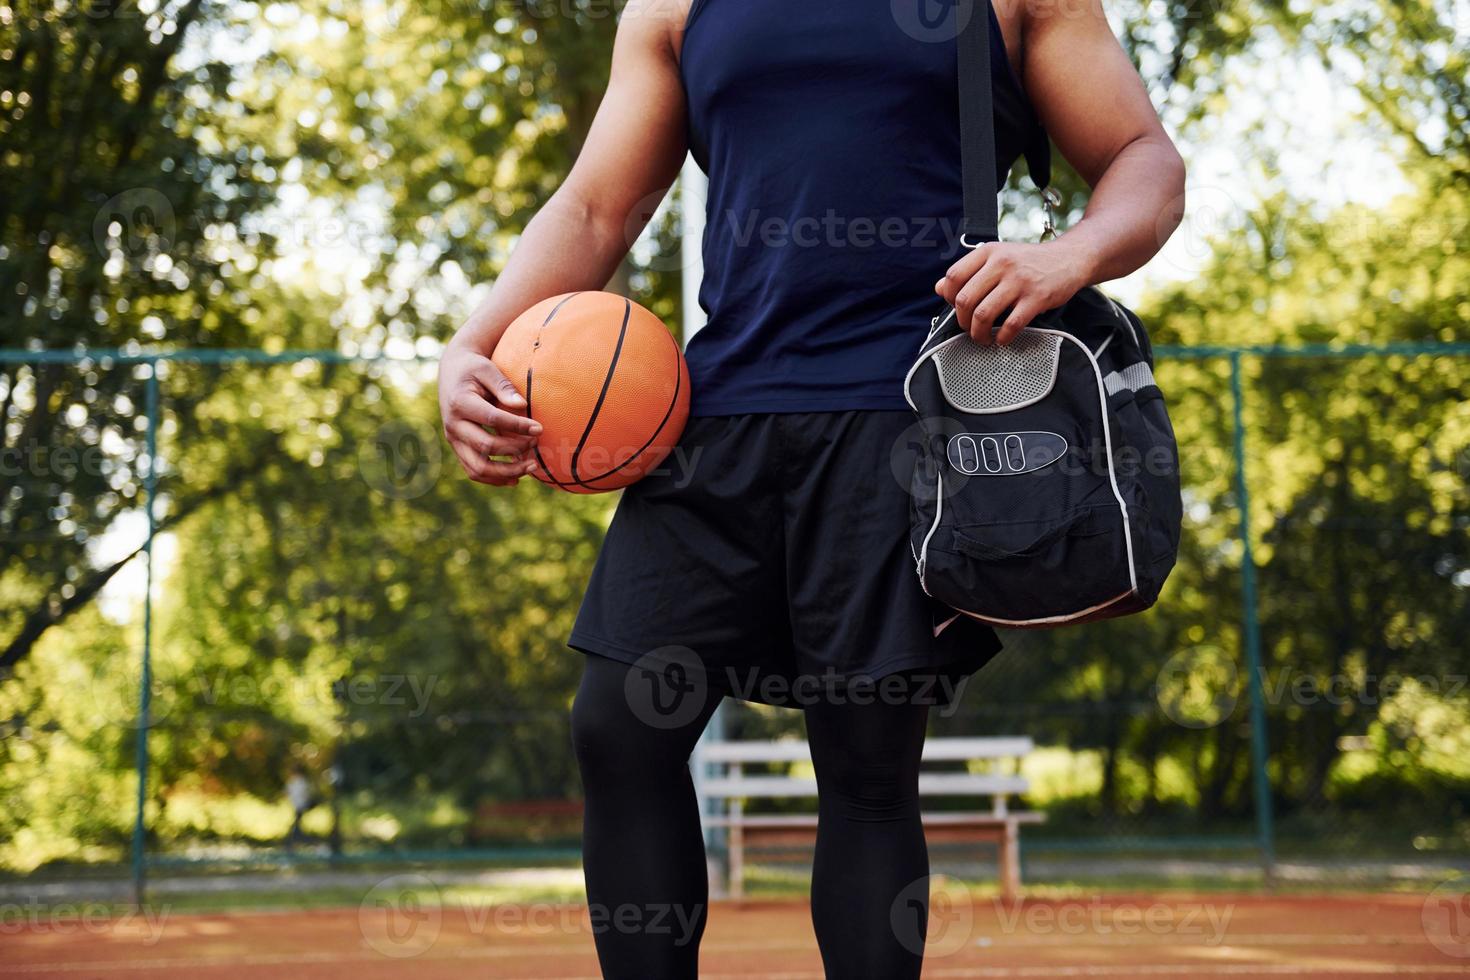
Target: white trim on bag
{"points": [[1067, 618], [1119, 312], [924, 355], [925, 352], [1102, 399], [936, 325], [938, 512]]}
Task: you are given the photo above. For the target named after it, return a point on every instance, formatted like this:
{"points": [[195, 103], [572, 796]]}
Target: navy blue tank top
{"points": [[829, 130]]}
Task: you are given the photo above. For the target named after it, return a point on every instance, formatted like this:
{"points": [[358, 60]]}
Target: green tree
{"points": [[123, 170]]}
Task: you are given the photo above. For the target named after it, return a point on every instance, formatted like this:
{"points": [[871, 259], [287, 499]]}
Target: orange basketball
{"points": [[607, 382]]}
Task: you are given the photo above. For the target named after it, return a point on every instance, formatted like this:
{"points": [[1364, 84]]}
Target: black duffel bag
{"points": [[1046, 488]]}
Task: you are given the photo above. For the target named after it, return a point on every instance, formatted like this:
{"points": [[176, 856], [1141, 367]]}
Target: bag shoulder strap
{"points": [[977, 128], [977, 124]]}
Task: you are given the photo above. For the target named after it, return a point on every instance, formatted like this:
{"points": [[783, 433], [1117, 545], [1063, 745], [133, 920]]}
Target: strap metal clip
{"points": [[1050, 201]]}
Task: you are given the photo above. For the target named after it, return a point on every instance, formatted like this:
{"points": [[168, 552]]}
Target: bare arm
{"points": [[1096, 109], [633, 153]]}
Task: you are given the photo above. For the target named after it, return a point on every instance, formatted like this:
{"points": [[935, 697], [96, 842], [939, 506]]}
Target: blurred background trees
{"points": [[321, 174]]}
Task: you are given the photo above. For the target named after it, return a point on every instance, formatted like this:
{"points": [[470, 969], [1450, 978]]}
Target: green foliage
{"points": [[420, 625], [192, 174], [125, 175]]}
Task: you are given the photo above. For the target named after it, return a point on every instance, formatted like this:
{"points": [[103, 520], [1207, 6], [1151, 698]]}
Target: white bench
{"points": [[730, 784]]}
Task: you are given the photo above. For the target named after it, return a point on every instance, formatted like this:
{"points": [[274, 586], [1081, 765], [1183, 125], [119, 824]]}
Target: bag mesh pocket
{"points": [[998, 378]]}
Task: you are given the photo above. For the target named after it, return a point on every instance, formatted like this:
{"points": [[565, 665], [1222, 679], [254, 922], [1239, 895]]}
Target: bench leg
{"points": [[1010, 862], [737, 862], [719, 882]]}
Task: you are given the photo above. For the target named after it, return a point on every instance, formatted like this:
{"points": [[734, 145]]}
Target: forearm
{"points": [[567, 246], [1135, 206]]}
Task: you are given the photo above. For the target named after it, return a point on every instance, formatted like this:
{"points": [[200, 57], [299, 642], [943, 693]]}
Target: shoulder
{"points": [[657, 24], [1044, 15], [1056, 25]]}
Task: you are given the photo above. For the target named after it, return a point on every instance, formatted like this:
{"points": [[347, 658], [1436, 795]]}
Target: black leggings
{"points": [[643, 849]]}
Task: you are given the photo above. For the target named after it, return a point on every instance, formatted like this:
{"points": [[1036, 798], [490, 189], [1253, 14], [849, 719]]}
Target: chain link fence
{"points": [[253, 615]]}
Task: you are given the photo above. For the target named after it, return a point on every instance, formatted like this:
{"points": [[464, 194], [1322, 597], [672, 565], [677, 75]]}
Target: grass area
{"points": [[305, 860], [439, 886], [476, 879], [762, 882], [766, 881], [473, 896]]}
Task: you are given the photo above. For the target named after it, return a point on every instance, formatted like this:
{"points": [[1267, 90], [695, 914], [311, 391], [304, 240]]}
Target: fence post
{"points": [[693, 189], [145, 682], [1260, 751]]}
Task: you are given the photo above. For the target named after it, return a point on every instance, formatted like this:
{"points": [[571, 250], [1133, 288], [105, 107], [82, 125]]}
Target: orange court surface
{"points": [[1206, 935]]}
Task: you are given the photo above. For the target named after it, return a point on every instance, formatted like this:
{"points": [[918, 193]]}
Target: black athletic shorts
{"points": [[768, 558]]}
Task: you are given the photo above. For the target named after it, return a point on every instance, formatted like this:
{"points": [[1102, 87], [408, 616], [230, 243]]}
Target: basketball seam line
{"points": [[540, 460], [602, 396], [668, 414], [530, 368]]}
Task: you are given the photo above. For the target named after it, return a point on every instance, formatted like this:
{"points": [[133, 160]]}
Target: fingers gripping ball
{"points": [[607, 382]]}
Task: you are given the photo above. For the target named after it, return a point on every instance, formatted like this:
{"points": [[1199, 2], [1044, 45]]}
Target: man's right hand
{"points": [[629, 159], [475, 397]]}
